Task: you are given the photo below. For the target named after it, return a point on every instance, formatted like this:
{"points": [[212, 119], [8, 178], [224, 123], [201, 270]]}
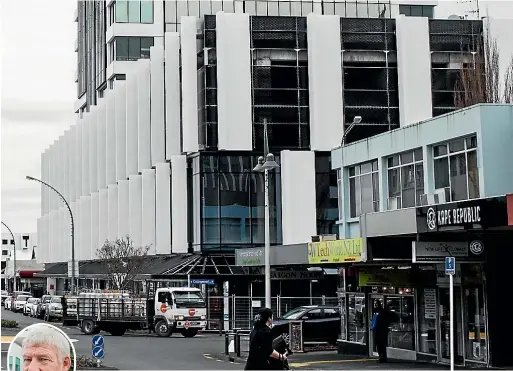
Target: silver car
{"points": [[53, 309]]}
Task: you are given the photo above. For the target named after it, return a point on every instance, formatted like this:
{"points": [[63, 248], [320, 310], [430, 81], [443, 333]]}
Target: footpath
{"points": [[333, 361]]}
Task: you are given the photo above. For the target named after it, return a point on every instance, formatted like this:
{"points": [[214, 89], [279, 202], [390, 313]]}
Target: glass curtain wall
{"points": [[232, 203], [326, 195]]}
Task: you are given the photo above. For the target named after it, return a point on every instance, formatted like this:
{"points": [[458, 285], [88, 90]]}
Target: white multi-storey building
{"points": [[165, 151]]}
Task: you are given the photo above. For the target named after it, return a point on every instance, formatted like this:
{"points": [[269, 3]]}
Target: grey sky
{"points": [[38, 91]]}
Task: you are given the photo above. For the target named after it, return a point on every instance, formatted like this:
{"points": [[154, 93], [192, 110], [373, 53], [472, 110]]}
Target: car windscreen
{"points": [[295, 313], [188, 299], [56, 300], [22, 297], [31, 300]]}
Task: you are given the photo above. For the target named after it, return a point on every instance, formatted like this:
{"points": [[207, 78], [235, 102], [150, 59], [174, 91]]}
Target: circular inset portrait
{"points": [[41, 347]]}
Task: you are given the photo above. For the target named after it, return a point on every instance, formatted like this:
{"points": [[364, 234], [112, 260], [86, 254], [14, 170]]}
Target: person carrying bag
{"points": [[261, 349]]}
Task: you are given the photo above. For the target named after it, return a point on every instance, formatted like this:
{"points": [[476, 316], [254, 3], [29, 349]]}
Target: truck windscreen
{"points": [[188, 299]]}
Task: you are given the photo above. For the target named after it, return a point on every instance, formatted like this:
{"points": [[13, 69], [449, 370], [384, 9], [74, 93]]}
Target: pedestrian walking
{"points": [[261, 343], [381, 322]]}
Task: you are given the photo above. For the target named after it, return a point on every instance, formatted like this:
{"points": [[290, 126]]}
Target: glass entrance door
{"points": [[374, 300], [444, 328]]}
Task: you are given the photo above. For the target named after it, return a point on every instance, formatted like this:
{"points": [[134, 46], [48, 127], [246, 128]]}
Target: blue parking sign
{"points": [[450, 265]]}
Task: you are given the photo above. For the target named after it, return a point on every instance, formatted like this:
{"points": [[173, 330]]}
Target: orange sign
{"points": [[192, 312], [163, 308]]}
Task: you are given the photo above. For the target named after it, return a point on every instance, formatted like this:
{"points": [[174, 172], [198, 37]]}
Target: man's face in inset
{"points": [[43, 357]]}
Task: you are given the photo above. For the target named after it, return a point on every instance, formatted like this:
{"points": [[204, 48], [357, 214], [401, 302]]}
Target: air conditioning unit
{"points": [[442, 195]]}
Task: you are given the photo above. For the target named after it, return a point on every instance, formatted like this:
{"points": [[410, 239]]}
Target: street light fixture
{"points": [[265, 164], [356, 121], [72, 230], [15, 285]]}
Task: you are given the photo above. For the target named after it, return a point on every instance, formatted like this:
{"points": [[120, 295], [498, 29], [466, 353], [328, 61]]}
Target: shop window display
{"points": [[356, 318], [402, 332]]}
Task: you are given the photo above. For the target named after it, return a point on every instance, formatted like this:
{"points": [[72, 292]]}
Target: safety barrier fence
{"points": [[231, 312]]}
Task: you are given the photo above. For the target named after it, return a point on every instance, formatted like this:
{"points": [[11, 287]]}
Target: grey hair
{"points": [[44, 334]]}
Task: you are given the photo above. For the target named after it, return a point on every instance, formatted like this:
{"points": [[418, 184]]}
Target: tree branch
{"points": [[124, 261]]}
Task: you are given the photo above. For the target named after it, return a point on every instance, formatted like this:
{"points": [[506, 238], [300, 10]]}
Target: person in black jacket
{"points": [[261, 343], [383, 321]]}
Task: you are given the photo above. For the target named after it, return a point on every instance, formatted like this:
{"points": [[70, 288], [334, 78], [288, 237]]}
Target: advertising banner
{"points": [[337, 251]]}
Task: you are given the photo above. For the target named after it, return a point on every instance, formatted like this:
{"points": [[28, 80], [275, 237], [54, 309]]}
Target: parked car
{"points": [[53, 309], [19, 303], [41, 306], [320, 323], [9, 302], [30, 307], [5, 295]]}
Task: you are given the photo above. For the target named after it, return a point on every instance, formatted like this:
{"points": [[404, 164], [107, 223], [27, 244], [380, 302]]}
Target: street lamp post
{"points": [[14, 256], [72, 230], [265, 164], [356, 121]]}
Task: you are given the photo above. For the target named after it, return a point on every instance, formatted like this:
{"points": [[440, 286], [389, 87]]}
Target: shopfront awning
{"points": [[153, 265], [207, 265], [27, 274]]}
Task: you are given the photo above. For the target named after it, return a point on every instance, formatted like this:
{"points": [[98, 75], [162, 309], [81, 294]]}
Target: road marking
{"points": [[304, 364], [7, 339]]}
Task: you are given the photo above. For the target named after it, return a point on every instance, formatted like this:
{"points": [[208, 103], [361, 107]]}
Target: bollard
{"points": [[220, 328], [237, 344], [227, 343]]}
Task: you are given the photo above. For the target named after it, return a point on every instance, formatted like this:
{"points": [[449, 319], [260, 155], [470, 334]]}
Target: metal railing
{"points": [[241, 310]]}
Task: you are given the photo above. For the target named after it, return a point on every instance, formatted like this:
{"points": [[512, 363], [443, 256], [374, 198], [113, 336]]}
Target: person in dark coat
{"points": [[261, 343], [383, 321]]}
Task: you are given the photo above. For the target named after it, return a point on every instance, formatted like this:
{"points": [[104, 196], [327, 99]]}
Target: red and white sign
{"points": [[192, 312], [187, 324]]}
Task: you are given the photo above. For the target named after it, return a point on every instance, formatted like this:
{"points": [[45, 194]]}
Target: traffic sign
{"points": [[450, 265], [98, 352], [98, 341], [202, 282]]}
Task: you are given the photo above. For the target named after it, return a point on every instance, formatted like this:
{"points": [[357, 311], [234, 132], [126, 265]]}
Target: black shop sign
{"points": [[473, 214]]}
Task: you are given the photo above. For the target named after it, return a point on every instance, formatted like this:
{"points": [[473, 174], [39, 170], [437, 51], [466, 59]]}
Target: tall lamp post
{"points": [[265, 164], [72, 230], [356, 121], [14, 256]]}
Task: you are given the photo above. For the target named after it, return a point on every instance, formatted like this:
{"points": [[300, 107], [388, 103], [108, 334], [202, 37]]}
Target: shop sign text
{"points": [[337, 251], [449, 217]]}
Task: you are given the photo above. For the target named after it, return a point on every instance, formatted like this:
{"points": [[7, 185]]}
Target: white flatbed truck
{"points": [[168, 310]]}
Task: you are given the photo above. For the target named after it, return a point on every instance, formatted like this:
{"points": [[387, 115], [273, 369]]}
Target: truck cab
{"points": [[181, 309]]}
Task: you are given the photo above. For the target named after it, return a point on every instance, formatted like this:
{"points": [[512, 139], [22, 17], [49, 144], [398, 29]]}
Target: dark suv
{"points": [[321, 324]]}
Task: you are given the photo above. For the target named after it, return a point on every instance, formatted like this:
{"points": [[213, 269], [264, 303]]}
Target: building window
{"points": [[232, 203], [5, 252], [132, 48], [405, 180], [4, 242], [132, 11], [326, 195], [455, 169], [417, 10], [363, 189]]}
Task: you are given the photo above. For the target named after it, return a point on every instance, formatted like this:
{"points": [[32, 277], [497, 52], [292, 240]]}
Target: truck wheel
{"points": [[118, 331], [189, 333], [88, 327], [162, 329]]}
